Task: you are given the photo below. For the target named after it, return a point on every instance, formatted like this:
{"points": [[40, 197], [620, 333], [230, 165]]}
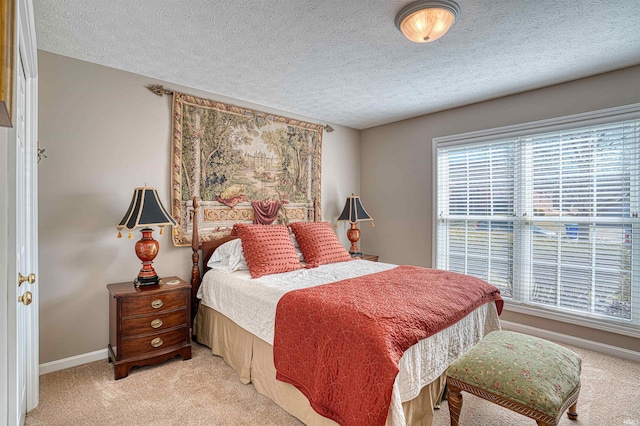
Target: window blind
{"points": [[549, 218]]}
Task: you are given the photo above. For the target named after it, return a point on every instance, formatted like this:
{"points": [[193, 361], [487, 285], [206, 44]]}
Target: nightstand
{"points": [[148, 324], [371, 257]]}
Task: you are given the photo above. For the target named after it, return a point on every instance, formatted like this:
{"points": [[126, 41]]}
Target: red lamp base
{"points": [[353, 235], [147, 250]]}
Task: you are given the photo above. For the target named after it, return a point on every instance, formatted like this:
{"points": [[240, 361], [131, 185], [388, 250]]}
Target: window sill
{"points": [[604, 325]]}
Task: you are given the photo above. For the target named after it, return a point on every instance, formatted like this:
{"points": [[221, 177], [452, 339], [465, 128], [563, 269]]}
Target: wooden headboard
{"points": [[207, 248]]}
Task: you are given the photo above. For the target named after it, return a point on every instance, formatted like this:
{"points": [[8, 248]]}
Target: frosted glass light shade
{"points": [[427, 20]]}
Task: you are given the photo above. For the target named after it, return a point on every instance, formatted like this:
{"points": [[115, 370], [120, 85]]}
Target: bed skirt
{"points": [[252, 358]]}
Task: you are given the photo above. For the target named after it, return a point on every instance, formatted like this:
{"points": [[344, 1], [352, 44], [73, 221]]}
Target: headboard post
{"points": [[195, 257], [315, 210]]}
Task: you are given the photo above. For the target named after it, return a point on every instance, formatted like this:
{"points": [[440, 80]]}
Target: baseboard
{"points": [[73, 361], [571, 340]]}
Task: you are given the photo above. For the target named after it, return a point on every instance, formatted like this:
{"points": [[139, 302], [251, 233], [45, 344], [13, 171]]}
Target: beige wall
{"points": [[396, 164], [105, 134]]}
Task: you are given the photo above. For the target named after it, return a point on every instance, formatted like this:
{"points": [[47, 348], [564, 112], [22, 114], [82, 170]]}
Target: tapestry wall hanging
{"points": [[244, 166]]}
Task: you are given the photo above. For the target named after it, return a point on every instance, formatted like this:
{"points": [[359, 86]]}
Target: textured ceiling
{"points": [[344, 61]]}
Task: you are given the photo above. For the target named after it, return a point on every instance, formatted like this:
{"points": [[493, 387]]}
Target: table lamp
{"points": [[354, 212], [146, 211]]}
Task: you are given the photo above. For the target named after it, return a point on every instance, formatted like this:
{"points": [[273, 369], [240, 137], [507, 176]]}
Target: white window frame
{"points": [[605, 116]]}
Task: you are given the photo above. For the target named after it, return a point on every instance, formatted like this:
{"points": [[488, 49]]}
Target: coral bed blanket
{"points": [[340, 343]]}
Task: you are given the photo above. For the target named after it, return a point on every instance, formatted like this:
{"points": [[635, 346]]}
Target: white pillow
{"points": [[296, 246], [229, 257]]}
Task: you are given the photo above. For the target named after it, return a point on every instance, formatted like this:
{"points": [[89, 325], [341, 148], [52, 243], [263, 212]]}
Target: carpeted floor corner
{"points": [[206, 391], [200, 391]]}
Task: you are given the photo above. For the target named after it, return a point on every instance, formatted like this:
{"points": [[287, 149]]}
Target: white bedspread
{"points": [[251, 303]]}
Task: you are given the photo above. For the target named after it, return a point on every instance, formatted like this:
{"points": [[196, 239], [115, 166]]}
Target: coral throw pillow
{"points": [[268, 249], [319, 243]]}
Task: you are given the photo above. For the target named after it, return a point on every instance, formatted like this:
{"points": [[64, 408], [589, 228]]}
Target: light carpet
{"points": [[205, 391]]}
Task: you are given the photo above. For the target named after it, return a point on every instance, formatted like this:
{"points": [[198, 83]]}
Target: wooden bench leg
{"points": [[572, 412], [455, 404]]}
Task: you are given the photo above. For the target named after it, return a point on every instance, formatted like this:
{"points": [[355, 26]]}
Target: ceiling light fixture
{"points": [[427, 20]]}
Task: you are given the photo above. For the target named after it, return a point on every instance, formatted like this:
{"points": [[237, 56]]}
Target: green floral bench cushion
{"points": [[521, 368]]}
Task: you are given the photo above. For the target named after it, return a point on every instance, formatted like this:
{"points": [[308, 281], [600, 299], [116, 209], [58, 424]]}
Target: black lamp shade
{"points": [[353, 211], [145, 210]]}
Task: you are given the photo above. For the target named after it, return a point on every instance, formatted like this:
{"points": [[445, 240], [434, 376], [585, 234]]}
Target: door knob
{"points": [[31, 278], [26, 298]]}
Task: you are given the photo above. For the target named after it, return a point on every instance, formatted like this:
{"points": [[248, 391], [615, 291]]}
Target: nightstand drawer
{"points": [[143, 345], [152, 304], [153, 323]]}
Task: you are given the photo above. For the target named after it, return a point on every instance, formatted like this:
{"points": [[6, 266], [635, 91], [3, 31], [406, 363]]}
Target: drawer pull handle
{"points": [[157, 342], [156, 323], [157, 304]]}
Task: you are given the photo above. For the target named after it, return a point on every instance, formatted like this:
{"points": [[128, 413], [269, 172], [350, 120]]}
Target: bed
{"points": [[235, 318]]}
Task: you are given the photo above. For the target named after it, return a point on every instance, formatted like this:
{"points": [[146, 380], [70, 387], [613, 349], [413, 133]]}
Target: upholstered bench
{"points": [[528, 375]]}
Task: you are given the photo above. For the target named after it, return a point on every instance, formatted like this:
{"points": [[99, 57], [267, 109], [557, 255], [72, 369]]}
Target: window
{"points": [[548, 213]]}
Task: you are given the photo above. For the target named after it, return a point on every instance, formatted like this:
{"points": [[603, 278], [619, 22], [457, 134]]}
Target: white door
{"points": [[22, 260], [22, 218], [26, 256]]}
